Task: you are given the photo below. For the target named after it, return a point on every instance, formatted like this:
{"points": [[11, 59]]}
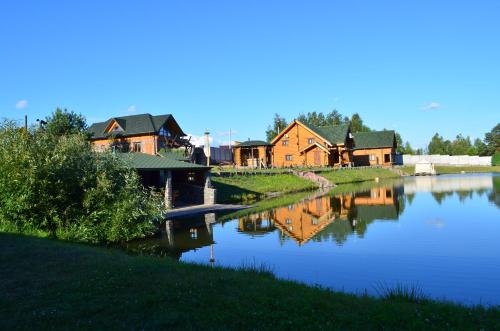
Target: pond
{"points": [[438, 234]]}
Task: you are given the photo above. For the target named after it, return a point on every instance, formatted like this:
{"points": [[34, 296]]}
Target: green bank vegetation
{"points": [[55, 285], [252, 186], [53, 184], [245, 188], [354, 175]]}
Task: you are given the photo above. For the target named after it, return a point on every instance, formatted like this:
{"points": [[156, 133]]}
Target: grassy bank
{"points": [[250, 187], [455, 169], [357, 175], [47, 284]]}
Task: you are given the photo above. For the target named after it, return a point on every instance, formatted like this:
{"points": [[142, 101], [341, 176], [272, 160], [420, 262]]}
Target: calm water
{"points": [[441, 234]]}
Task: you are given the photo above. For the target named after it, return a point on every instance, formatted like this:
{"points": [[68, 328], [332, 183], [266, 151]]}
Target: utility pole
{"points": [[231, 146], [26, 123]]}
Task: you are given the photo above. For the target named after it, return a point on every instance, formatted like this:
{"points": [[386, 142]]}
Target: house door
{"points": [[317, 158]]}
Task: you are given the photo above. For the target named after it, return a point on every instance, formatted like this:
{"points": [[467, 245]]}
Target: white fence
{"points": [[456, 160]]}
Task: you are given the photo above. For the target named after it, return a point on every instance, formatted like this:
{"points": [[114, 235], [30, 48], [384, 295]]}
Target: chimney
{"points": [[207, 147]]}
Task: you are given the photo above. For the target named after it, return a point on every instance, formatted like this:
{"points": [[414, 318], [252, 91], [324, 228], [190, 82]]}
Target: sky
{"points": [[418, 67]]}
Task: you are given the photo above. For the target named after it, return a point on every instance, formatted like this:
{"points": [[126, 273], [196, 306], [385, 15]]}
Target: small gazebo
{"points": [[253, 154], [184, 183]]}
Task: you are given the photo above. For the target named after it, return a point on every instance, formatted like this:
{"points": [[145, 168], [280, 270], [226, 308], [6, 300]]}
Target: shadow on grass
{"points": [[227, 193]]}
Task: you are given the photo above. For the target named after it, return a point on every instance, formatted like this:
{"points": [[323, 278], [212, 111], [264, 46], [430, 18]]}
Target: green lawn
{"points": [[357, 175], [455, 169], [46, 284], [250, 187]]}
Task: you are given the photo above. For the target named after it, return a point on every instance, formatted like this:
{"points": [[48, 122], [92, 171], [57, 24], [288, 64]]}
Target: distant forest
{"points": [[438, 145]]}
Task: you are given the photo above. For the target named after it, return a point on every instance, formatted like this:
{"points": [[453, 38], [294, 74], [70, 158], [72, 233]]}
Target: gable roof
{"points": [[334, 134], [133, 125], [143, 161], [315, 144], [253, 143], [374, 139]]}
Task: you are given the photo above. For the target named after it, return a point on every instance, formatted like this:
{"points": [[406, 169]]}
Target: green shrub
{"points": [[495, 160], [58, 186]]}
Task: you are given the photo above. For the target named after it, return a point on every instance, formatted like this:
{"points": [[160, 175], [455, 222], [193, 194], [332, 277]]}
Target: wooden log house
{"points": [[253, 154], [302, 145], [156, 147]]}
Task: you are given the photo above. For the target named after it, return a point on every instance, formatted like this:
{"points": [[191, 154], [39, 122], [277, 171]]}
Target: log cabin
{"points": [[142, 133], [302, 145], [156, 147], [374, 148], [252, 154]]}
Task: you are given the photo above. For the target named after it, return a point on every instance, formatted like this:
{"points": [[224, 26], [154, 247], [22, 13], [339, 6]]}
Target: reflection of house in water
{"points": [[257, 224], [326, 216], [177, 237]]}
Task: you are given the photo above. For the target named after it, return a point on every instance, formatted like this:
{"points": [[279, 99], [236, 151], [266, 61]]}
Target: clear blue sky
{"points": [[415, 66]]}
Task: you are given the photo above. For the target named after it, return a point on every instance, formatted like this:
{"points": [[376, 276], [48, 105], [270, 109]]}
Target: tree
{"points": [[492, 141], [58, 186], [279, 123], [461, 146], [357, 124], [320, 119], [480, 147], [439, 146], [64, 122], [335, 118]]}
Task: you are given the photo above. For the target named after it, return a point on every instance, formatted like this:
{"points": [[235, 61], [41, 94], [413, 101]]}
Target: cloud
{"points": [[131, 109], [21, 104], [199, 140], [431, 106]]}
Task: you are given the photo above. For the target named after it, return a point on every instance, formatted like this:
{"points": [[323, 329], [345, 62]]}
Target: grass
{"points": [[240, 188], [354, 175], [455, 169], [54, 285]]}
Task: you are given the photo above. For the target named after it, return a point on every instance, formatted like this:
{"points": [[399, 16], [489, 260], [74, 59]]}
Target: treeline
{"points": [[334, 118], [53, 184], [463, 146], [438, 145]]}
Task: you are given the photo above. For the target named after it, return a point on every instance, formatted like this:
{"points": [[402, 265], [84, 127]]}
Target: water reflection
{"points": [[313, 217], [437, 232], [321, 216]]}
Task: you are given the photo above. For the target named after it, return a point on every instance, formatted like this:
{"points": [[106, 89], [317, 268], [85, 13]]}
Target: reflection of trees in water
{"points": [[338, 231], [494, 195], [440, 196]]}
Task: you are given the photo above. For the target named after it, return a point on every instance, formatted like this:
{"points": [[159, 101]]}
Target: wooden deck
{"points": [[201, 209]]}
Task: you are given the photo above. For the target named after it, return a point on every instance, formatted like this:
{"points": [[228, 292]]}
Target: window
{"points": [[310, 141], [387, 158], [164, 132], [288, 221], [314, 221], [288, 157], [388, 194], [373, 157], [137, 147], [284, 142], [286, 135]]}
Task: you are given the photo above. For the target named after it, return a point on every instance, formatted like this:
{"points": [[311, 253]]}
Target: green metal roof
{"points": [[335, 134], [133, 125], [175, 154], [252, 143], [150, 162], [374, 139]]}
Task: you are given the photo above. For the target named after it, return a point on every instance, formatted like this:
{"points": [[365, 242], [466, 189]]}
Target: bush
{"points": [[495, 160], [56, 185]]}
